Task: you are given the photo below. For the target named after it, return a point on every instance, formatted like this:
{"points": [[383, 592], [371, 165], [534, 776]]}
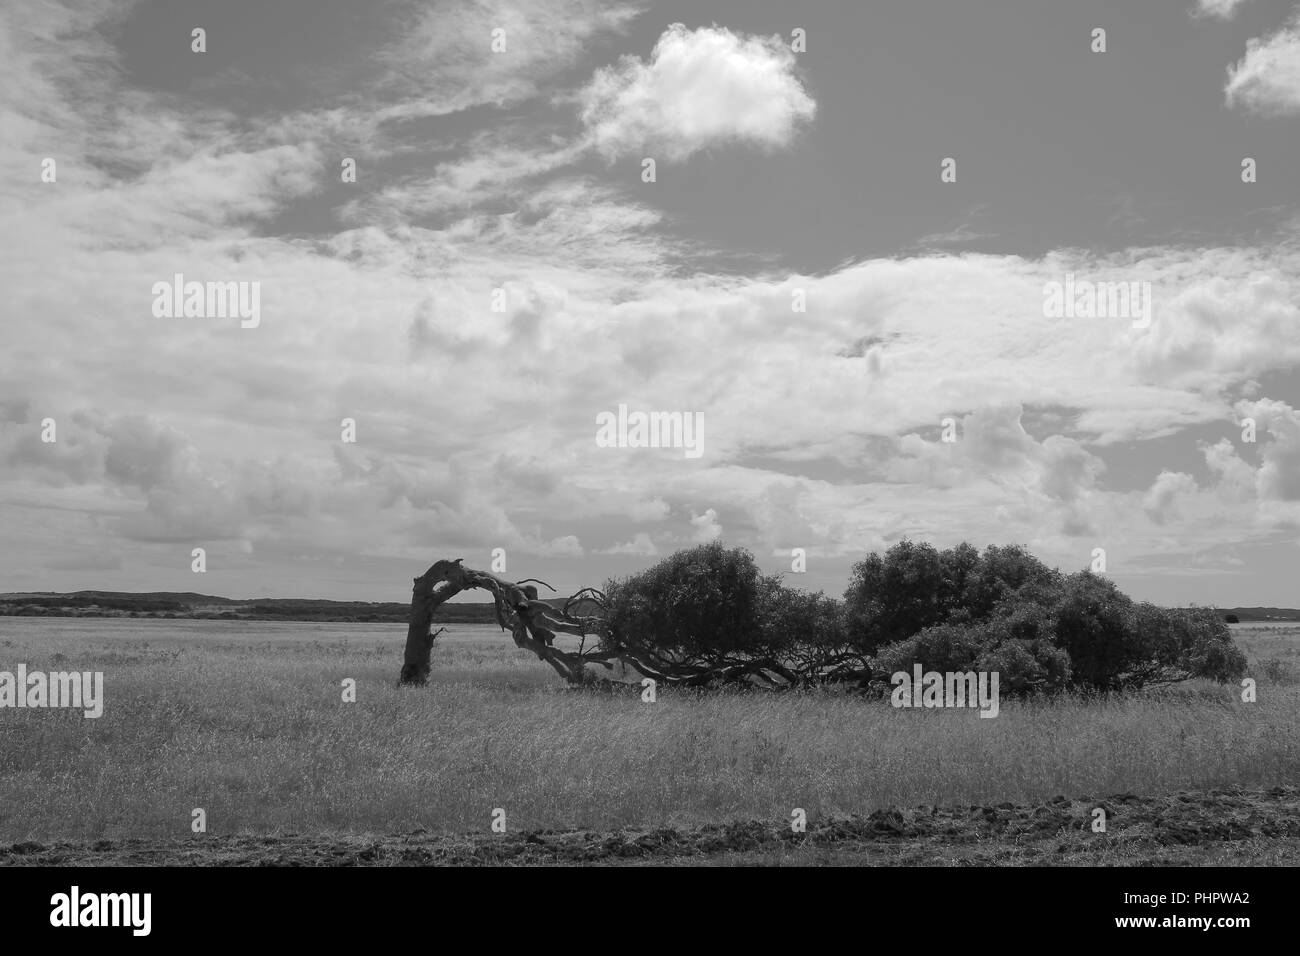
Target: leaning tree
{"points": [[534, 624]]}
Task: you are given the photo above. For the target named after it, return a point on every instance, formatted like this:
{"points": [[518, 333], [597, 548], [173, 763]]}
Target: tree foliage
{"points": [[913, 586], [1043, 631]]}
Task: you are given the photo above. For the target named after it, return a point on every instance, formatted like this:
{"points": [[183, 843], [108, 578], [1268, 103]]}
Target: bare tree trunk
{"points": [[424, 601]]}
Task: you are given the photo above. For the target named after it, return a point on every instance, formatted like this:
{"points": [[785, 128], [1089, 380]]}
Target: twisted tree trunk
{"points": [[531, 622]]}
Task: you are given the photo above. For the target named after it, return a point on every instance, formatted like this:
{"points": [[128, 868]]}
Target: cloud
{"points": [[445, 61], [1267, 79], [993, 444], [578, 338], [1217, 9], [1233, 475], [655, 509], [1226, 327], [1263, 498], [1278, 478], [531, 476], [476, 426], [567, 546], [700, 88], [1055, 479], [706, 527], [640, 545], [778, 515], [1161, 501], [497, 165]]}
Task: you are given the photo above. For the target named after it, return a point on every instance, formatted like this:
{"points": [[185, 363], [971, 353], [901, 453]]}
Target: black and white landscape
{"points": [[485, 432]]}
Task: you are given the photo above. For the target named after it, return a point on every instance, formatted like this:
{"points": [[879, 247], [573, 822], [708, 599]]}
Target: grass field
{"points": [[245, 720]]}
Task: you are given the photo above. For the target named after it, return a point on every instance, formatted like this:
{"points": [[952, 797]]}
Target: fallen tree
{"points": [[708, 615], [534, 624]]}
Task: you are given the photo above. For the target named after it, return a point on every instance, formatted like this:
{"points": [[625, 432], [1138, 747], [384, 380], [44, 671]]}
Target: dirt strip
{"points": [[1221, 826]]}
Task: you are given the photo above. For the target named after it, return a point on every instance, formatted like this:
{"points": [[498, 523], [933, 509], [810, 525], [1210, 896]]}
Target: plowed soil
{"points": [[1245, 827]]}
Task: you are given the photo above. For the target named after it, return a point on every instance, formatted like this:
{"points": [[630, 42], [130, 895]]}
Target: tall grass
{"points": [[245, 720]]}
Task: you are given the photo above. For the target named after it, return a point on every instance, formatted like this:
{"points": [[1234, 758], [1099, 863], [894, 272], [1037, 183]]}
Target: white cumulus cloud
{"points": [[1267, 80], [1218, 9], [1279, 475], [706, 527], [700, 88], [1161, 501]]}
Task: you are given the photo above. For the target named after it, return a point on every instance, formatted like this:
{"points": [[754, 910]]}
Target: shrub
{"points": [[792, 619], [1094, 624], [711, 603], [1206, 648], [697, 603], [1025, 667], [1000, 572], [943, 647], [913, 586], [1048, 631], [1110, 642], [893, 597]]}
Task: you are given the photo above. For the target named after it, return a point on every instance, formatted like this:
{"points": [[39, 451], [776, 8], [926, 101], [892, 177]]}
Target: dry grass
{"points": [[245, 720]]}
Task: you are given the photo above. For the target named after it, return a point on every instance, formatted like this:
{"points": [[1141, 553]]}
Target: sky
{"points": [[840, 264]]}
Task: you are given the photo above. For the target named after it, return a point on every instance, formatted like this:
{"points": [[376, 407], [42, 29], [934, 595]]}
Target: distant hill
{"points": [[188, 598], [189, 605], [1245, 614]]}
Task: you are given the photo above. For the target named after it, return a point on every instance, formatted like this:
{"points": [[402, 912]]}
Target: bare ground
{"points": [[1224, 827]]}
